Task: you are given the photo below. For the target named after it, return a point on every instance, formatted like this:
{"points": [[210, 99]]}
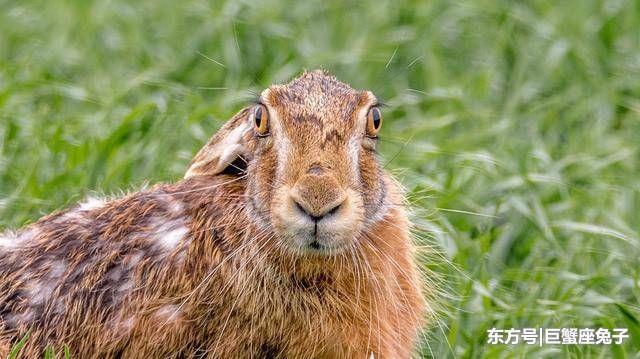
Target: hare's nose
{"points": [[318, 196]]}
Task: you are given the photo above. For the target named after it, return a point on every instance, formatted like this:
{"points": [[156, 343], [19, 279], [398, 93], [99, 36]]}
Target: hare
{"points": [[285, 239]]}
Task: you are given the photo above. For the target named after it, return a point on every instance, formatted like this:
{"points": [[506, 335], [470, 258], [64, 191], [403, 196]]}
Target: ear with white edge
{"points": [[225, 148]]}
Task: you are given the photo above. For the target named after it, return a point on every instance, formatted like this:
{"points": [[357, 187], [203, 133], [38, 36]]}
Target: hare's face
{"points": [[314, 175]]}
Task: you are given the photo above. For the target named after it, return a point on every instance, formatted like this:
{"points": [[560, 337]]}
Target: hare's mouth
{"points": [[318, 246]]}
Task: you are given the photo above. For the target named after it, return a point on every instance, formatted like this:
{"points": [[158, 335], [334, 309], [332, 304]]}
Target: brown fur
{"points": [[225, 265]]}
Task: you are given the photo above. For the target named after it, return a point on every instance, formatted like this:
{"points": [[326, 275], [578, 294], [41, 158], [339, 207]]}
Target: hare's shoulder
{"points": [[156, 225]]}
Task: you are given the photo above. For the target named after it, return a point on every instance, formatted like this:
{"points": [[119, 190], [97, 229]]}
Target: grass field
{"points": [[514, 125]]}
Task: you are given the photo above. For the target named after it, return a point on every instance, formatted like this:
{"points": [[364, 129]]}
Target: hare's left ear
{"points": [[226, 151]]}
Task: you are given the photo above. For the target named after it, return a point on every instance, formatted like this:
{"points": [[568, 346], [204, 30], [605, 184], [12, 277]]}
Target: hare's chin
{"points": [[329, 240], [318, 245], [321, 238]]}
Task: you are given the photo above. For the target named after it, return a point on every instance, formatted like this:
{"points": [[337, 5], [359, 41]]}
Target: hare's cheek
{"points": [[372, 183], [353, 156], [282, 210], [290, 227], [262, 182]]}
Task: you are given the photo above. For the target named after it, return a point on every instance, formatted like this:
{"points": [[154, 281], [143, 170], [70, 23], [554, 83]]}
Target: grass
{"points": [[514, 125]]}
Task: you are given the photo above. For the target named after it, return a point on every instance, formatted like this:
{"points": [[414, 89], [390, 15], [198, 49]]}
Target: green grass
{"points": [[515, 126]]}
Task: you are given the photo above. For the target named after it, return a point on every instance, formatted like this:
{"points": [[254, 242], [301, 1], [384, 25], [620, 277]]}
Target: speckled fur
{"points": [[198, 268]]}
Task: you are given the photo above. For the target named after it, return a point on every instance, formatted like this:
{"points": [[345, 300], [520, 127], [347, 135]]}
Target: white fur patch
{"points": [[126, 286], [115, 274], [171, 239], [124, 326], [28, 235], [91, 203], [14, 319], [39, 291], [134, 259], [176, 207], [169, 234], [57, 269], [73, 216], [8, 240], [169, 312], [12, 240], [128, 323]]}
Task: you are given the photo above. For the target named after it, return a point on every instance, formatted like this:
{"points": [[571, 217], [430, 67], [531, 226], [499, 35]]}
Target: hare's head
{"points": [[307, 151]]}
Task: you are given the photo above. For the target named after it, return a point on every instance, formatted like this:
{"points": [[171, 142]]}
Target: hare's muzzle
{"points": [[317, 214], [318, 196]]}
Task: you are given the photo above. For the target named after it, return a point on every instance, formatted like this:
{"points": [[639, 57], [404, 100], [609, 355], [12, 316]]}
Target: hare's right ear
{"points": [[226, 151]]}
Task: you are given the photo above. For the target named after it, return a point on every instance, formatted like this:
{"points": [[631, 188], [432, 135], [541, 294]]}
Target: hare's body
{"points": [[193, 270]]}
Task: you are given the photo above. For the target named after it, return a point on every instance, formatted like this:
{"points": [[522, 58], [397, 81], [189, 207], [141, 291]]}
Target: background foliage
{"points": [[514, 125]]}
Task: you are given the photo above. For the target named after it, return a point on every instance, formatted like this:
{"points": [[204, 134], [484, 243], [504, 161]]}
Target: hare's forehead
{"points": [[318, 110]]}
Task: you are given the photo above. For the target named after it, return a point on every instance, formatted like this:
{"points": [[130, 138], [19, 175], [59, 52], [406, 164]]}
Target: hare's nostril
{"points": [[334, 209], [300, 208], [318, 215]]}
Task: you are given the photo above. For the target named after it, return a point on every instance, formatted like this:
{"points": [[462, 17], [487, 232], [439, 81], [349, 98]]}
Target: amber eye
{"points": [[261, 120], [374, 121]]}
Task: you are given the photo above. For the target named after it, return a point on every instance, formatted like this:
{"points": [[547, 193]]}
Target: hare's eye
{"points": [[374, 121], [261, 120]]}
